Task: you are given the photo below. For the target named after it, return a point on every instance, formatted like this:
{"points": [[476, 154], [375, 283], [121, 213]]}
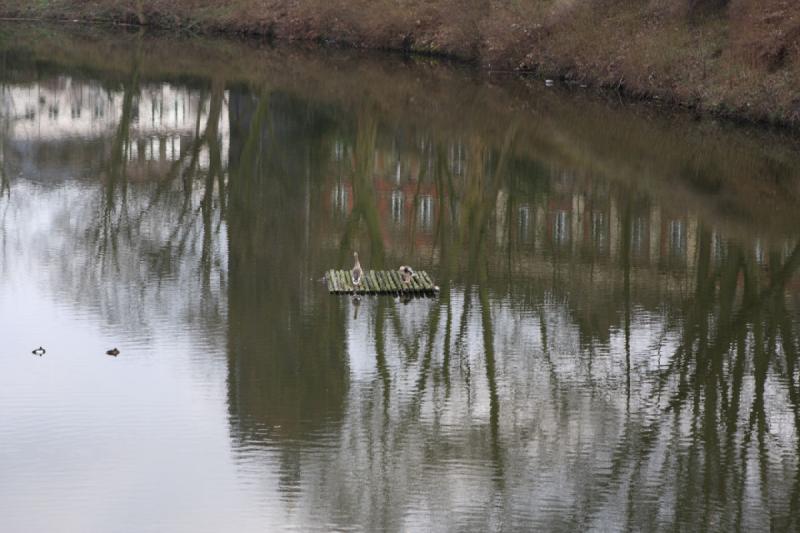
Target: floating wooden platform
{"points": [[380, 282]]}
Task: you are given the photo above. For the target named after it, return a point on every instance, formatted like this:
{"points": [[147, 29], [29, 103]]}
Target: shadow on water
{"points": [[606, 351]]}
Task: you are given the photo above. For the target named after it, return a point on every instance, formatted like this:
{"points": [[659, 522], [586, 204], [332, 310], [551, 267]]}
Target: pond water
{"points": [[614, 346]]}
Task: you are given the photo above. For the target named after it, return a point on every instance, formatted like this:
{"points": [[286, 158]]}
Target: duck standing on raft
{"points": [[357, 273]]}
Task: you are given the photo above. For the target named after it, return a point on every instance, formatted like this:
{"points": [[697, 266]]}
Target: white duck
{"points": [[357, 273]]}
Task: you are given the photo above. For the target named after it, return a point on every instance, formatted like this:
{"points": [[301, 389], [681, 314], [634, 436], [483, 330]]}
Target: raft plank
{"points": [[403, 287], [339, 281], [428, 280], [385, 280], [348, 281]]}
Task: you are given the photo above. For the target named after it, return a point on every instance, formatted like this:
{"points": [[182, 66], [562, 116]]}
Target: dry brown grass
{"points": [[739, 57]]}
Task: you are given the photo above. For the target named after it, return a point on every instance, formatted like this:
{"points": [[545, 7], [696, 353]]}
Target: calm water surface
{"points": [[614, 346]]}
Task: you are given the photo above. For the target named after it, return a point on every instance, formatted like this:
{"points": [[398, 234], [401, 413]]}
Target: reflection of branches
{"points": [[555, 384], [364, 206], [461, 344], [112, 231], [5, 182], [711, 386], [448, 329], [5, 189], [790, 348], [412, 410], [713, 430], [494, 401], [214, 175], [380, 354], [480, 200], [211, 137], [109, 229]]}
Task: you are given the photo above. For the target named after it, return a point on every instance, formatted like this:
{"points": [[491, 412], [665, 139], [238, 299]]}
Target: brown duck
{"points": [[406, 274]]}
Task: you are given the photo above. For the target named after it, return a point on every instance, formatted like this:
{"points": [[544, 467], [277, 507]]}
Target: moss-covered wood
{"points": [[380, 282]]}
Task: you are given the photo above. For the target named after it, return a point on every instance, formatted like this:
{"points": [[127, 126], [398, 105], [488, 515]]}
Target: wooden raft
{"points": [[380, 282]]}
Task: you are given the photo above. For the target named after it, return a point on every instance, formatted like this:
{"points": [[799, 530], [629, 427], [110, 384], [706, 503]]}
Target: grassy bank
{"points": [[738, 58]]}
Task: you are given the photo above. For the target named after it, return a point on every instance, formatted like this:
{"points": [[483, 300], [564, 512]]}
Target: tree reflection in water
{"points": [[674, 429], [597, 357]]}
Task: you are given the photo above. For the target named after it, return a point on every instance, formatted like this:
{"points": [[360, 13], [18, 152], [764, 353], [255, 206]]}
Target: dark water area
{"points": [[614, 346]]}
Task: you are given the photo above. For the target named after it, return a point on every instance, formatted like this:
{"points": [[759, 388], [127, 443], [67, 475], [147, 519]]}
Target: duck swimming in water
{"points": [[357, 273], [406, 274], [39, 351], [113, 352]]}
